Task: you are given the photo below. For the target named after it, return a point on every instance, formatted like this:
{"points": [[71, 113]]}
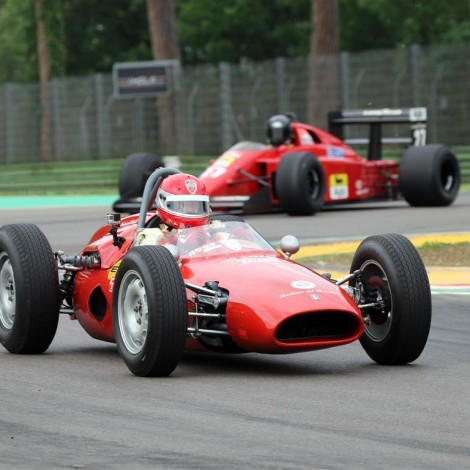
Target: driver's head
{"points": [[279, 129], [182, 201]]}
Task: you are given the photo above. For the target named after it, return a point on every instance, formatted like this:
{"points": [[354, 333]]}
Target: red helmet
{"points": [[182, 201]]}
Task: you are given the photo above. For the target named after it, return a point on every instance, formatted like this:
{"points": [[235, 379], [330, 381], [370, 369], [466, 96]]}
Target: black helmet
{"points": [[279, 130]]}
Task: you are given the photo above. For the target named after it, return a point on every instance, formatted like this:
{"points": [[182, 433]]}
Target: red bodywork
{"points": [[239, 176], [269, 297]]}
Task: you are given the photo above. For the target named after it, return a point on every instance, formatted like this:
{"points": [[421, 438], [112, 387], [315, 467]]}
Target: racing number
{"points": [[339, 186], [419, 136]]}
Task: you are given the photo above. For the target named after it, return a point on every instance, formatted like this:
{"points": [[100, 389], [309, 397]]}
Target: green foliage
{"points": [[100, 33], [53, 17], [372, 24], [225, 31], [17, 41], [88, 36]]}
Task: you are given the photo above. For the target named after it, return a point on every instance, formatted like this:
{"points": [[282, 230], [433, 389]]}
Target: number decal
{"points": [[419, 136]]}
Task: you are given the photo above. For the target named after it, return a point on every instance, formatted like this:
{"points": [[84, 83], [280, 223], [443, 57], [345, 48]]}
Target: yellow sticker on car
{"points": [[339, 186], [113, 270]]}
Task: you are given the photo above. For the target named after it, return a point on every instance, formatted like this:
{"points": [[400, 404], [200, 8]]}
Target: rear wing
{"points": [[375, 118]]}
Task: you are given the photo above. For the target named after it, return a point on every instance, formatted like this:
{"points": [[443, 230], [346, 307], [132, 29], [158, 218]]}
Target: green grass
{"points": [[432, 253], [102, 176]]}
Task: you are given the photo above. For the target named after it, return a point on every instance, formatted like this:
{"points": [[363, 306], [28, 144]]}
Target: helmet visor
{"points": [[189, 206]]}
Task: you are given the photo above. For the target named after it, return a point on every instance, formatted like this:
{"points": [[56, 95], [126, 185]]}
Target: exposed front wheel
{"points": [[29, 290], [300, 184], [149, 311], [395, 280]]}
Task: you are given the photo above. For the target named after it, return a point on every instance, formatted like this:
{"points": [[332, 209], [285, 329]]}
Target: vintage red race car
{"points": [[302, 168], [227, 291]]}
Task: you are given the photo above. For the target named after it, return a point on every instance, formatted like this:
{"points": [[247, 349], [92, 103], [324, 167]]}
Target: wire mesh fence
{"points": [[218, 105]]}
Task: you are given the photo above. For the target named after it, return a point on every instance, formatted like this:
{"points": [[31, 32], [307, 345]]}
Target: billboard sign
{"points": [[139, 79]]}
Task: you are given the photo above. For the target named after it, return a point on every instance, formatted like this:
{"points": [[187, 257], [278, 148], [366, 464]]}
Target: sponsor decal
{"points": [[360, 190], [339, 186], [302, 284], [335, 152], [254, 260], [312, 292], [113, 270]]}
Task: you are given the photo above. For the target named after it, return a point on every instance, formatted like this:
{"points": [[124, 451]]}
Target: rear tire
{"points": [[29, 290], [300, 184], [394, 273], [135, 172], [150, 311], [429, 175]]}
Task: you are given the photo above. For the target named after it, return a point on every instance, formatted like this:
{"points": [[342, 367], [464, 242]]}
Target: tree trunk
{"points": [[44, 84], [162, 25], [324, 92]]}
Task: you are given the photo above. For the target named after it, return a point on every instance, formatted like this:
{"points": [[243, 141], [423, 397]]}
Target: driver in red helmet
{"points": [[182, 202]]}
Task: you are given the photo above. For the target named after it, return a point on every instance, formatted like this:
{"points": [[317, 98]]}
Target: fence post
{"points": [[56, 120], [415, 53], [345, 73], [9, 122], [282, 104], [100, 114], [225, 104]]}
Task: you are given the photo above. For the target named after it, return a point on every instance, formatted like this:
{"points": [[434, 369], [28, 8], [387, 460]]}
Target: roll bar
{"points": [[150, 191]]}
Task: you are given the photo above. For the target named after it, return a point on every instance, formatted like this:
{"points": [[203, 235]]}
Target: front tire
{"points": [[29, 290], [300, 184], [394, 274], [149, 311]]}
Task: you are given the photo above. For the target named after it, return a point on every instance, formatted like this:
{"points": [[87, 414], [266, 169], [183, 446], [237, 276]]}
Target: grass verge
{"points": [[432, 253]]}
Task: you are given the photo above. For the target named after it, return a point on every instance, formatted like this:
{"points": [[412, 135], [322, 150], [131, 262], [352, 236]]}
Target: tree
{"points": [[51, 51], [44, 76], [162, 26], [224, 31], [323, 61]]}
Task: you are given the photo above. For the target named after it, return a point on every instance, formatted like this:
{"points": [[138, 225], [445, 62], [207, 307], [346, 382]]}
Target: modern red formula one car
{"points": [[230, 292], [303, 168]]}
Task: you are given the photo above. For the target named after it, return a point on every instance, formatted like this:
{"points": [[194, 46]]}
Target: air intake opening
{"points": [[97, 303], [318, 326]]}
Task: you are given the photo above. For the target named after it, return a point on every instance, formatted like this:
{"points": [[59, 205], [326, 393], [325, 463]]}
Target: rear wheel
{"points": [[394, 275], [135, 172], [29, 290], [429, 175], [149, 311], [300, 184]]}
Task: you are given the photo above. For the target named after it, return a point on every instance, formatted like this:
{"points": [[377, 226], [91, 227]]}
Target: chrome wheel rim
{"points": [[133, 312], [7, 293]]}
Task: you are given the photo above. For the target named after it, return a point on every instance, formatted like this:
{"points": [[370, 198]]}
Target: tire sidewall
{"points": [[10, 337], [410, 298], [136, 361], [421, 174]]}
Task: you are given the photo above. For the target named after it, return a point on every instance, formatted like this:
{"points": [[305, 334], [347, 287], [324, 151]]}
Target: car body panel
{"points": [[264, 289]]}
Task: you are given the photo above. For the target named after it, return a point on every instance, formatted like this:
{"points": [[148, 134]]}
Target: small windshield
{"points": [[219, 237]]}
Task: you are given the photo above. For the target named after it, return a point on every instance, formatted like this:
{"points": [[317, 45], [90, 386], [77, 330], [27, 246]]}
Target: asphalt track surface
{"points": [[77, 406]]}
